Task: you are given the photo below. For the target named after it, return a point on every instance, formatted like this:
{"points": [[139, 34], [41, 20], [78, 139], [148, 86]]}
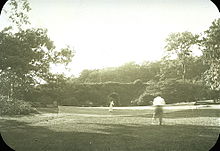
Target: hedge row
{"points": [[136, 93], [95, 94]]}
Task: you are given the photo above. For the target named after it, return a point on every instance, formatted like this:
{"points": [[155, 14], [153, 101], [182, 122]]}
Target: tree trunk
{"points": [[184, 72]]}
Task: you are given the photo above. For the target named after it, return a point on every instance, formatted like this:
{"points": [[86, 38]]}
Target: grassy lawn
{"points": [[95, 129]]}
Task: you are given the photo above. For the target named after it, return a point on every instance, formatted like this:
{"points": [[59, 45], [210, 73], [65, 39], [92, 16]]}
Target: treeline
{"points": [[158, 70], [158, 78], [126, 73]]}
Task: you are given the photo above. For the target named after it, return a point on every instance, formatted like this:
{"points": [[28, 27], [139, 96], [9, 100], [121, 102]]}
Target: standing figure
{"points": [[111, 106], [158, 103]]}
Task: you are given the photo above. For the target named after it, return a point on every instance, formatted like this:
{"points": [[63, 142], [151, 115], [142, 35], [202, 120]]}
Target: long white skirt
{"points": [[110, 108]]}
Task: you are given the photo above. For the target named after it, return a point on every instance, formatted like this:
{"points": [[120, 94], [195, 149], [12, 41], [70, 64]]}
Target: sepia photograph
{"points": [[109, 75]]}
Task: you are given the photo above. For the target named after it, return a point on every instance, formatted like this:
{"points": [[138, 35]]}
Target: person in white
{"points": [[158, 102], [111, 106]]}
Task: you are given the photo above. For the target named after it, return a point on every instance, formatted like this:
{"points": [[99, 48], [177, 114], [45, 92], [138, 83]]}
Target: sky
{"points": [[110, 33]]}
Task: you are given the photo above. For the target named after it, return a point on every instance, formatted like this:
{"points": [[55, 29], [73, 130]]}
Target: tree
{"points": [[26, 54], [196, 68], [180, 44], [17, 13], [211, 50], [172, 69], [126, 73]]}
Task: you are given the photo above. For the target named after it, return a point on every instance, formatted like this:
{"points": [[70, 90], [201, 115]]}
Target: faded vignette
{"points": [[88, 128]]}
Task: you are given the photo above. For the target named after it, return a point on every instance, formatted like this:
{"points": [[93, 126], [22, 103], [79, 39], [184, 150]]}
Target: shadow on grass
{"points": [[112, 137]]}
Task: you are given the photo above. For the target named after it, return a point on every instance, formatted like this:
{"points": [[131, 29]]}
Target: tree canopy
{"points": [[26, 54], [211, 50], [180, 44]]}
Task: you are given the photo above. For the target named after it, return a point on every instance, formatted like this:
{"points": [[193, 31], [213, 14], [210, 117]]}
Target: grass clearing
{"points": [[95, 129]]}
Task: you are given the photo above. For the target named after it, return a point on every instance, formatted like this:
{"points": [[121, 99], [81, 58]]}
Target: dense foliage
{"points": [[26, 54], [180, 44], [9, 106], [173, 91], [126, 73], [211, 49], [136, 93], [95, 94]]}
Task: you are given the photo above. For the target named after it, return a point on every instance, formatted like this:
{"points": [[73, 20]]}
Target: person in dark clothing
{"points": [[158, 113]]}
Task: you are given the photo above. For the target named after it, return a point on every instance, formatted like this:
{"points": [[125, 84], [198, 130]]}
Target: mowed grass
{"points": [[95, 129]]}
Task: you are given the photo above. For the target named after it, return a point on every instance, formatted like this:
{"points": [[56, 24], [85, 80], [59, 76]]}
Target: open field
{"points": [[186, 128]]}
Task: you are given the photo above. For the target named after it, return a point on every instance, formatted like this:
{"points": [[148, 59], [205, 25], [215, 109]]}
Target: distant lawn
{"points": [[84, 130]]}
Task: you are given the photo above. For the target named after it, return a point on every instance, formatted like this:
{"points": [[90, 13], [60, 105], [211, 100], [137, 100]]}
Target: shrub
{"points": [[173, 91], [9, 106], [143, 99]]}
